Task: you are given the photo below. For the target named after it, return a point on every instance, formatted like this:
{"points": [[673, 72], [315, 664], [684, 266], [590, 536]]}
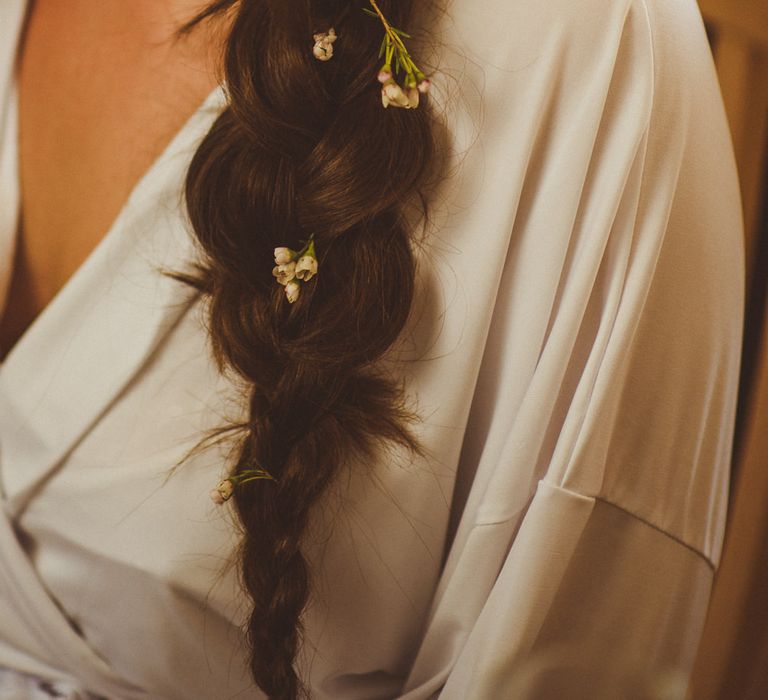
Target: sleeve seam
{"points": [[668, 534], [639, 518], [520, 515]]}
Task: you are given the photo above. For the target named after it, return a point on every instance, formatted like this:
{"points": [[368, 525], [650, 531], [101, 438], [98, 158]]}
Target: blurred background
{"points": [[732, 663]]}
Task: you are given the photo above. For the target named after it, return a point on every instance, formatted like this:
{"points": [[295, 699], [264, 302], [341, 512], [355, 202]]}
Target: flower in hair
{"points": [[393, 49], [306, 267], [283, 256], [393, 94], [323, 49], [222, 492], [284, 273], [226, 487], [292, 290], [294, 268]]}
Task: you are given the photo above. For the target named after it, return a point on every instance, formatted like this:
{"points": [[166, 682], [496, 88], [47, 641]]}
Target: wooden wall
{"points": [[739, 34], [733, 657]]}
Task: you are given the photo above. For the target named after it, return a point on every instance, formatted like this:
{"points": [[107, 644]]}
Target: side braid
{"points": [[304, 149]]}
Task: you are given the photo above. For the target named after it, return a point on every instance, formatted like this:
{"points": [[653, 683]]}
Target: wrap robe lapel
{"points": [[47, 633], [87, 345], [12, 16]]}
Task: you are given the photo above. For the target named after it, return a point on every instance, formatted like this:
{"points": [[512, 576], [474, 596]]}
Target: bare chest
{"points": [[103, 87]]}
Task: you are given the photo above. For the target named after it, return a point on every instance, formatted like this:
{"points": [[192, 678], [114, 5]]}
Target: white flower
{"points": [[322, 51], [412, 94], [283, 256], [292, 290], [329, 36], [392, 94], [424, 85], [323, 48], [285, 273], [223, 492], [306, 267]]}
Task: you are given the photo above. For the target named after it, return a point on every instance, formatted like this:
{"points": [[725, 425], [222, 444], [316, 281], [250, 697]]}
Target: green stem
{"points": [[308, 249], [257, 478], [390, 53], [250, 475], [405, 58]]}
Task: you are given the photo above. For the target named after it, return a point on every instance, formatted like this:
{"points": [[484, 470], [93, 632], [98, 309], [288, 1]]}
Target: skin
{"points": [[103, 87]]}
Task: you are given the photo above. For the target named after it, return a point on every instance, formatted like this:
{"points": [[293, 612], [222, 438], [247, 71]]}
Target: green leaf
{"points": [[383, 46], [402, 33], [369, 12]]}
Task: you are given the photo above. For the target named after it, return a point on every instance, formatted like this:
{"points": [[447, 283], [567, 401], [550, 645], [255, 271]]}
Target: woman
{"points": [[478, 454]]}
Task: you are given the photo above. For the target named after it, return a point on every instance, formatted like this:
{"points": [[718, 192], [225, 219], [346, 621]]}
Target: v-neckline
{"points": [[9, 142]]}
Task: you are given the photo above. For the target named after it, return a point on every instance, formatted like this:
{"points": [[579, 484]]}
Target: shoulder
{"points": [[582, 40], [604, 135], [527, 29], [530, 64]]}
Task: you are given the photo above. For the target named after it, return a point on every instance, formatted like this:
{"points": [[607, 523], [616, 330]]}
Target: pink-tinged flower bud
{"points": [[223, 492], [306, 267], [385, 74], [424, 86], [285, 273], [292, 290], [283, 256]]}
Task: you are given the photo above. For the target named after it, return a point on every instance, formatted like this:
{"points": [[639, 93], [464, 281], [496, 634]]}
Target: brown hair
{"points": [[304, 148]]}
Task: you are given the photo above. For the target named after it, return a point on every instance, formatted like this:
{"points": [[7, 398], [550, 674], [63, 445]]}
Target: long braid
{"points": [[305, 149]]}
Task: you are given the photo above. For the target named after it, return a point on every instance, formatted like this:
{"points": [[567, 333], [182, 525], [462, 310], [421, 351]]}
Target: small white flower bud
{"points": [[292, 290], [285, 273], [306, 267], [392, 94], [322, 51], [424, 86], [283, 256], [223, 492], [391, 89], [323, 48]]}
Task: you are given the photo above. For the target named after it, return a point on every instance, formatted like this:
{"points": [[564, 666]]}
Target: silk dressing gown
{"points": [[573, 353]]}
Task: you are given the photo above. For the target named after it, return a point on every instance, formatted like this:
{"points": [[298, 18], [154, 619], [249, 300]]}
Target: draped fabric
{"points": [[573, 355]]}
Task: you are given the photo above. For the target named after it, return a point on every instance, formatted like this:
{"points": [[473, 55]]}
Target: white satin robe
{"points": [[573, 353]]}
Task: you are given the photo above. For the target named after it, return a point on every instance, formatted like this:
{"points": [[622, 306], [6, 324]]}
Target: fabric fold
{"points": [[26, 605]]}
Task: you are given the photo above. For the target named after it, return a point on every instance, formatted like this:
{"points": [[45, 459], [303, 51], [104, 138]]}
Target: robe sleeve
{"points": [[596, 583]]}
